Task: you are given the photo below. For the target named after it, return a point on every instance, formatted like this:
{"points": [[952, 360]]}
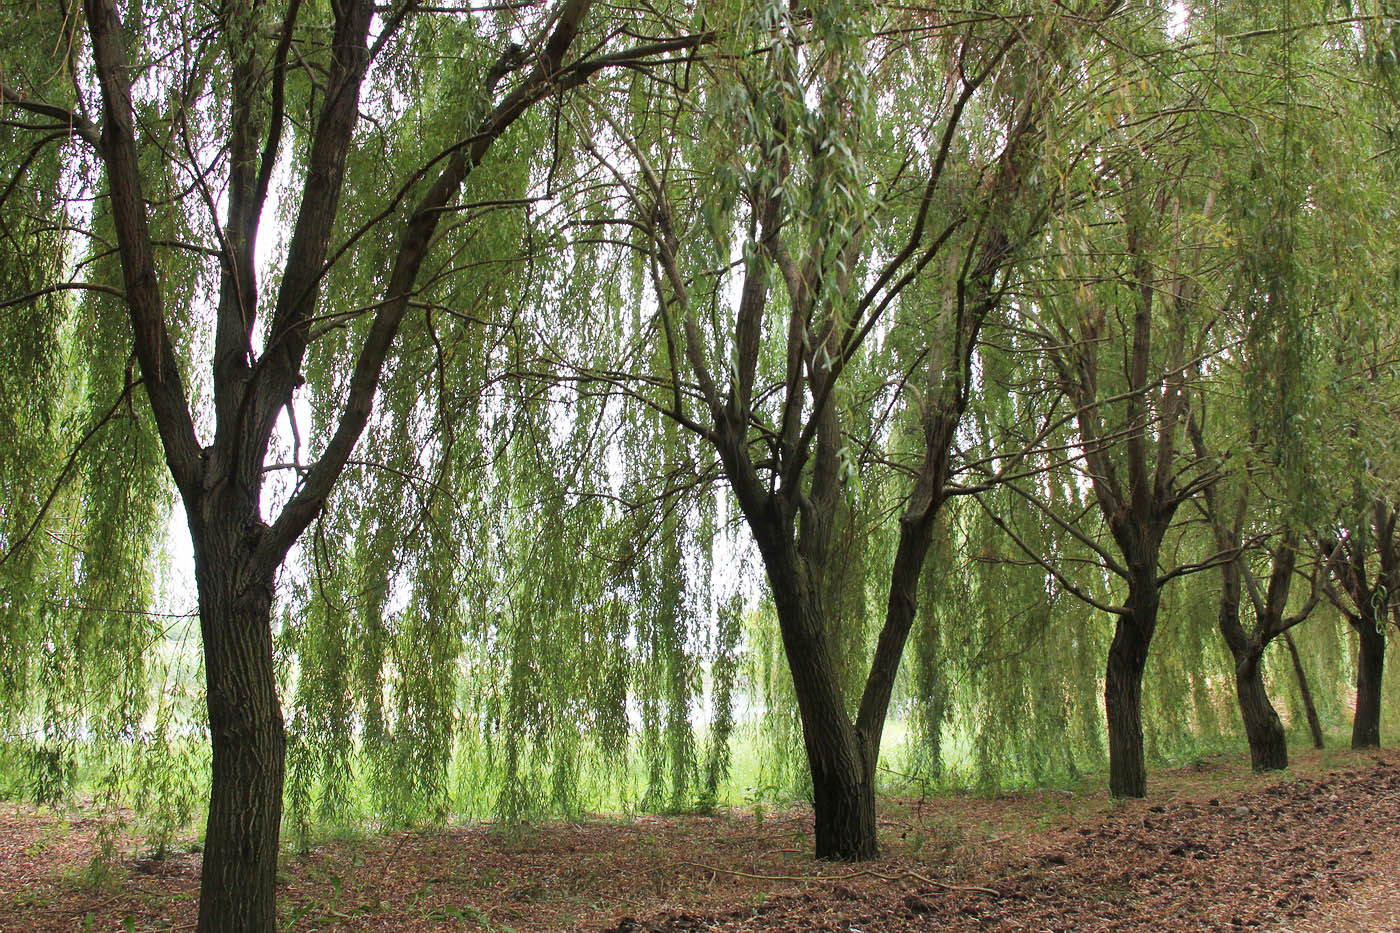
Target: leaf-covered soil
{"points": [[1213, 847]]}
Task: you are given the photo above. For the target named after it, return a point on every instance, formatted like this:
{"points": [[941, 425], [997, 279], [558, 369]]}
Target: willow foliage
{"points": [[529, 593]]}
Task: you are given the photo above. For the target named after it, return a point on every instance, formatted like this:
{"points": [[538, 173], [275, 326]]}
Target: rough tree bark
{"points": [[841, 763], [1127, 660], [1268, 745], [1370, 666], [237, 881]]}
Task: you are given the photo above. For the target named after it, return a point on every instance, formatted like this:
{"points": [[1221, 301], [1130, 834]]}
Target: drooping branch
{"points": [[1051, 567], [949, 382], [38, 293], [308, 500], [67, 471]]}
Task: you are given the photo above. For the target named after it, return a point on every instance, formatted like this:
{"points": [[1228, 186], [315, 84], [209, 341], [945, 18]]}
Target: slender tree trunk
{"points": [[237, 884], [1370, 665], [1314, 723], [1127, 659], [1268, 746]]}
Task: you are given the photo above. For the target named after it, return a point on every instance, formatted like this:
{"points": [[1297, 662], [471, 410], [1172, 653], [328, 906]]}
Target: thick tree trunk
{"points": [[1309, 707], [1268, 747], [843, 805], [843, 769], [237, 884], [1127, 764], [1370, 665], [1127, 659]]}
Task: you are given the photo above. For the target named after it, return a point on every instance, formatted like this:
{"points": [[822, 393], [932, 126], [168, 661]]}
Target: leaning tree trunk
{"points": [[1268, 746], [843, 769], [1309, 707], [1370, 665], [237, 884], [1127, 660]]}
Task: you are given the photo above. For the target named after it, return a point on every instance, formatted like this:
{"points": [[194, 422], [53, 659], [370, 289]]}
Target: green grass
{"points": [[762, 777]]}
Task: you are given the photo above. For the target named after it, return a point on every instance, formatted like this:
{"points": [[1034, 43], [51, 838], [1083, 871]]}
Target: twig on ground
{"points": [[864, 872], [938, 884]]}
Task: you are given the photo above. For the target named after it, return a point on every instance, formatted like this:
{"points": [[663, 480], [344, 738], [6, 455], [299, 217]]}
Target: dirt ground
{"points": [[1213, 848]]}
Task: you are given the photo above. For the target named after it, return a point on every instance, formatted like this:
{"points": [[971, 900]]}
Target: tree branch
{"points": [[307, 502], [155, 353], [78, 125]]}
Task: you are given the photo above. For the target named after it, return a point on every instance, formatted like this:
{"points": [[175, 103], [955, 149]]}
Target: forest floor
{"points": [[1213, 847]]}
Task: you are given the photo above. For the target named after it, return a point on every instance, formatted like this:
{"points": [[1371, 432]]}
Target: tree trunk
{"points": [[237, 884], [1268, 747], [1127, 765], [1370, 664], [1314, 723], [843, 805], [1127, 659], [843, 772], [843, 769]]}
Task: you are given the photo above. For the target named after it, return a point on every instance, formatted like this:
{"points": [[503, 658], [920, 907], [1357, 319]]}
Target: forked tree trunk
{"points": [[237, 884], [1304, 691], [1268, 746], [1127, 660], [236, 555], [1370, 665]]}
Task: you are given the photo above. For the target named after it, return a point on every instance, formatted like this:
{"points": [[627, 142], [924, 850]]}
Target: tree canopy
{"points": [[562, 397]]}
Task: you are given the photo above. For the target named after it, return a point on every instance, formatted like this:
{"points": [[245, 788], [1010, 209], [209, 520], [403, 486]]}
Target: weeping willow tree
{"points": [[1268, 418], [1123, 323], [542, 631], [464, 331], [1359, 540], [1270, 259], [38, 394], [1359, 549], [800, 276], [228, 106], [84, 496], [1199, 287], [74, 563], [1006, 659]]}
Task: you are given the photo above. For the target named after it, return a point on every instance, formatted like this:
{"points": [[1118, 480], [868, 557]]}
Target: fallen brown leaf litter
{"points": [[1213, 848]]}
